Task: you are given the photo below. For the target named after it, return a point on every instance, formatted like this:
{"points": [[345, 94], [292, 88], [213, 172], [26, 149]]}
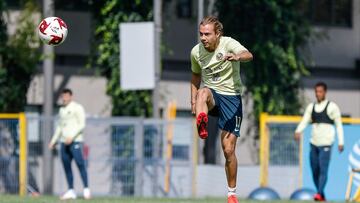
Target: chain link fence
{"points": [[284, 158], [9, 157], [124, 157]]}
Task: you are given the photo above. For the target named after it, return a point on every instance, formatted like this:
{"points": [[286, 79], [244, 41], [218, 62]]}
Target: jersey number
{"points": [[237, 123]]}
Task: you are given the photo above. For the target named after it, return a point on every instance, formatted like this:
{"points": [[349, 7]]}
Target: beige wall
{"points": [[89, 91]]}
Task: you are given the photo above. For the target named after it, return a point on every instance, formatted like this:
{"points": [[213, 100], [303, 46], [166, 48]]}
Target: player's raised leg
{"points": [[204, 103], [228, 142]]}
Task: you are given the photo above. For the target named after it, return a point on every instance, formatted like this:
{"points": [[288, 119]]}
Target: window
{"points": [[71, 5], [183, 8], [12, 3], [343, 12], [331, 12], [78, 5]]}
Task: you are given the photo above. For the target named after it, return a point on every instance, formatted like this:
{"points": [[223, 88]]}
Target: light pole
{"points": [[200, 11], [47, 129], [158, 29]]}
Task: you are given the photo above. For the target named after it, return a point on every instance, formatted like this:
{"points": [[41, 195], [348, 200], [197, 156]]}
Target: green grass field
{"points": [[46, 199]]}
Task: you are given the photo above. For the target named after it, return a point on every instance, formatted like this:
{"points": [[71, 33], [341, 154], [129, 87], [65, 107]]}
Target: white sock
{"points": [[231, 191]]}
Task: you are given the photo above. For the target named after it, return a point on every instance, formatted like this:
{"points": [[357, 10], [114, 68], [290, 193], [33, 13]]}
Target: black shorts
{"points": [[229, 110]]}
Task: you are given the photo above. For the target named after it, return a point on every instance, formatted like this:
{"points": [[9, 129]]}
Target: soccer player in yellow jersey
{"points": [[216, 62], [70, 132]]}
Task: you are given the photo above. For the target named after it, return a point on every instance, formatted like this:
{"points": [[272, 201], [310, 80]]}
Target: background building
{"points": [[333, 57]]}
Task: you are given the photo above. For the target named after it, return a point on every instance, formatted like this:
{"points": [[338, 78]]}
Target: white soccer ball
{"points": [[52, 31]]}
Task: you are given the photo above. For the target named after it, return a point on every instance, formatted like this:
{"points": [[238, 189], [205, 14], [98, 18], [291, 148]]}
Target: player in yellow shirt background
{"points": [[70, 133], [216, 63]]}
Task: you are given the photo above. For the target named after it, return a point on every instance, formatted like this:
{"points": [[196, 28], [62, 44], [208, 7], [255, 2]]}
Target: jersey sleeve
{"points": [[235, 47], [81, 119], [58, 130], [306, 119], [56, 135], [195, 67], [335, 114]]}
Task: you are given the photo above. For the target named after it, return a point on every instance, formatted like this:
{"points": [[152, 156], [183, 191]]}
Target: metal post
{"points": [[156, 94], [139, 155], [157, 156], [158, 30], [210, 7], [48, 68], [23, 155], [200, 11]]}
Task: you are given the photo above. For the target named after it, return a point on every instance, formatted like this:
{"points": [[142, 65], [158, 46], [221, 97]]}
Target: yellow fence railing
{"points": [[22, 149], [266, 119], [169, 143]]}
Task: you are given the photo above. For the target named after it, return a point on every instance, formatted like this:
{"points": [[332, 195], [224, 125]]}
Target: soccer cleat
{"points": [[201, 122], [87, 194], [319, 198], [232, 199], [70, 194]]}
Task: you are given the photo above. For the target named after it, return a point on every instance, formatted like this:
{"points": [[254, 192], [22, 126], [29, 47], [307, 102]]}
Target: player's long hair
{"points": [[215, 21]]}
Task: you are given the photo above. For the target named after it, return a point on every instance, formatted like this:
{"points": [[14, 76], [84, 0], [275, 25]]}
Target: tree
{"points": [[3, 40], [19, 56], [273, 31], [107, 16]]}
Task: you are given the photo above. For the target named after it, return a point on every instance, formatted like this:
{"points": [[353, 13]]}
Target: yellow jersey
{"points": [[218, 74]]}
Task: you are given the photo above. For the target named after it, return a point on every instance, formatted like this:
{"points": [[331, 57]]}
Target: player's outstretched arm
{"points": [[243, 56], [306, 119]]}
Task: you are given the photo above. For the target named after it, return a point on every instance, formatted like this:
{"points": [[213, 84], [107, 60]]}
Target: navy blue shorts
{"points": [[229, 110]]}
